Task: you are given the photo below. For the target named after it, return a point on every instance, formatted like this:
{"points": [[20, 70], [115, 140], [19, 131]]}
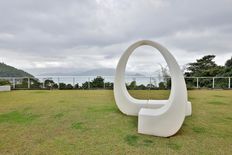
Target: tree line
{"points": [[203, 67], [96, 83]]}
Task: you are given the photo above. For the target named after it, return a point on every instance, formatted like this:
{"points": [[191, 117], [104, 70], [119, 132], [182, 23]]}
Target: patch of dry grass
{"points": [[88, 122]]}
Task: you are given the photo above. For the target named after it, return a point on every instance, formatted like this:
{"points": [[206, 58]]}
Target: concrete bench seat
{"points": [[154, 104]]}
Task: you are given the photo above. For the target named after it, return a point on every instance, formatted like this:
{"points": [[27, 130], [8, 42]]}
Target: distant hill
{"points": [[9, 71], [105, 72], [92, 72], [100, 71]]}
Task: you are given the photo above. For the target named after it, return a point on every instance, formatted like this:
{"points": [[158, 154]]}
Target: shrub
{"points": [[76, 86], [69, 86], [4, 82], [98, 82], [49, 83], [162, 85], [62, 85], [109, 85], [86, 85]]}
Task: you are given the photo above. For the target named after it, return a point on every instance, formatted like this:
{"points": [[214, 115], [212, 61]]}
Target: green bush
{"points": [[98, 82], [109, 85], [86, 85], [76, 86], [4, 82], [162, 85], [62, 85], [69, 86]]}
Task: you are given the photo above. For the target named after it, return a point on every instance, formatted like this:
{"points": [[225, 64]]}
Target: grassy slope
{"points": [[88, 122]]}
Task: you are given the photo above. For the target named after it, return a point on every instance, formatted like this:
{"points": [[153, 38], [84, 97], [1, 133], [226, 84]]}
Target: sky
{"points": [[58, 36]]}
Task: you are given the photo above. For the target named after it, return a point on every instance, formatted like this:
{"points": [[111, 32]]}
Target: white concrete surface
{"points": [[5, 88]]}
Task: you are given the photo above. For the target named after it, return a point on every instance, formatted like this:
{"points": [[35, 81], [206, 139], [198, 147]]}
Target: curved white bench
{"points": [[161, 117]]}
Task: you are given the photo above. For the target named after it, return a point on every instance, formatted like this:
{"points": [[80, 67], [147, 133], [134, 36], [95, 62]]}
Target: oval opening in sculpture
{"points": [[152, 61]]}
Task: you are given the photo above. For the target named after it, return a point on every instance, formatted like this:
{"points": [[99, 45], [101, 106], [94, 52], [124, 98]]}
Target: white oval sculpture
{"points": [[156, 117]]}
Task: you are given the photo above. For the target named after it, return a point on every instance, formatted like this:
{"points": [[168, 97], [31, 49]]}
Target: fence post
{"points": [[14, 83], [88, 83], [28, 83], [73, 82], [213, 82], [197, 82], [150, 84], [43, 82], [58, 81], [229, 83], [149, 94], [135, 83]]}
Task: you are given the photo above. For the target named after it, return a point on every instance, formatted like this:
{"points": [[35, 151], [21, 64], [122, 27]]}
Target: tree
{"points": [[228, 63], [86, 85], [76, 86], [109, 85], [204, 67], [62, 85], [151, 86], [141, 87], [55, 86], [34, 83], [132, 85], [98, 82], [49, 83], [69, 86], [165, 77], [22, 83], [228, 68], [4, 82], [164, 72], [162, 85]]}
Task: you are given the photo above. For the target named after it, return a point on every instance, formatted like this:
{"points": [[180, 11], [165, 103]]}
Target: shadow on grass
{"points": [[131, 140], [105, 109], [198, 129], [134, 121], [229, 118], [78, 126], [219, 96], [137, 141], [147, 142], [191, 98], [174, 146], [59, 115], [17, 117], [215, 102]]}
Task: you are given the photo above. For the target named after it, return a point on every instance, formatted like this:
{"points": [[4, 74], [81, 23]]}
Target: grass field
{"points": [[88, 122]]}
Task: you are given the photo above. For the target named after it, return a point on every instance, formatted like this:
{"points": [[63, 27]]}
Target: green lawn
{"points": [[88, 122]]}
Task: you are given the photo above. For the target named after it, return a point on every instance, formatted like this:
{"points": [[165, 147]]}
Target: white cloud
{"points": [[91, 34]]}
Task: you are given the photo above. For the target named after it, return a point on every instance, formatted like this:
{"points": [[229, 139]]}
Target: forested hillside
{"points": [[9, 71]]}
